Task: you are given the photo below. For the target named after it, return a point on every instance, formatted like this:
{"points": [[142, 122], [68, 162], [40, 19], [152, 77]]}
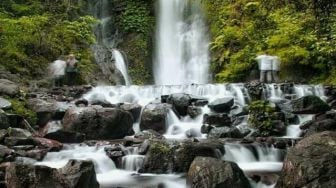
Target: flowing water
{"points": [[182, 55], [121, 65], [181, 66]]}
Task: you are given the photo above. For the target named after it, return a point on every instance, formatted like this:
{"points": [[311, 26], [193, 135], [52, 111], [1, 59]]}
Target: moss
{"points": [[159, 158], [19, 107], [261, 116]]}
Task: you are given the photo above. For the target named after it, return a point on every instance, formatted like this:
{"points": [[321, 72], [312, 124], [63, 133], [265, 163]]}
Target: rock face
{"points": [[99, 123], [255, 89], [211, 172], [222, 105], [311, 163], [309, 105], [76, 174], [154, 117], [8, 88]]}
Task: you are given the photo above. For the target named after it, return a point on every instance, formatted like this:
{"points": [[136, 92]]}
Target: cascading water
{"points": [[121, 65], [182, 55]]}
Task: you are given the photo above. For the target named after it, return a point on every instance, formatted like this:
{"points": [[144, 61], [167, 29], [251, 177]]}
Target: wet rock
{"points": [[159, 158], [255, 89], [8, 88], [76, 174], [200, 102], [3, 134], [194, 111], [205, 129], [45, 110], [225, 132], [66, 136], [79, 174], [81, 103], [188, 151], [16, 132], [318, 125], [51, 145], [211, 172], [311, 163], [115, 152], [180, 102], [6, 154], [222, 105], [144, 147], [148, 134], [309, 105], [5, 104], [16, 141], [99, 123], [134, 109], [217, 120], [154, 117], [36, 154]]}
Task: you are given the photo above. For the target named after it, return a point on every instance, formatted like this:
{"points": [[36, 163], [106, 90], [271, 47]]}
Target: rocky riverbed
{"points": [[242, 135]]}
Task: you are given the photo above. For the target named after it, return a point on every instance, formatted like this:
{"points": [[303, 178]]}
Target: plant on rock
{"points": [[262, 116]]}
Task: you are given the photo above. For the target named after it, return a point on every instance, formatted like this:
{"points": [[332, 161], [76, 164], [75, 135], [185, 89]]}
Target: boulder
{"points": [[16, 141], [17, 132], [51, 145], [222, 105], [64, 136], [318, 125], [311, 163], [159, 158], [76, 174], [45, 110], [217, 120], [194, 111], [5, 104], [99, 123], [8, 88], [255, 89], [180, 102], [211, 172], [309, 105], [79, 174], [154, 117], [134, 109], [188, 151], [225, 132]]}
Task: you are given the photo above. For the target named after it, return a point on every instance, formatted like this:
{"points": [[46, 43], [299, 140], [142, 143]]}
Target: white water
{"points": [[267, 159], [182, 55], [121, 65], [107, 174], [133, 161]]}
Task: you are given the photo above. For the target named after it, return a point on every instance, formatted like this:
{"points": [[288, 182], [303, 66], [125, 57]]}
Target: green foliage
{"points": [[136, 17], [19, 107], [30, 40], [261, 116], [291, 30]]}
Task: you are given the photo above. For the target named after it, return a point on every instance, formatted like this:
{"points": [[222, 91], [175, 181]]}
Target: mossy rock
{"points": [[309, 105]]}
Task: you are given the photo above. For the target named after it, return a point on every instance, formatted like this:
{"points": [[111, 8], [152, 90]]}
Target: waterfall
{"points": [[121, 65], [182, 55]]}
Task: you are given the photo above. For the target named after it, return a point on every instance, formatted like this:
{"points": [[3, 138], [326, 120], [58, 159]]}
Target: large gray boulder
{"points": [[180, 102], [99, 123], [309, 105], [76, 174], [311, 163], [154, 117], [45, 110], [8, 88], [210, 172], [222, 105]]}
